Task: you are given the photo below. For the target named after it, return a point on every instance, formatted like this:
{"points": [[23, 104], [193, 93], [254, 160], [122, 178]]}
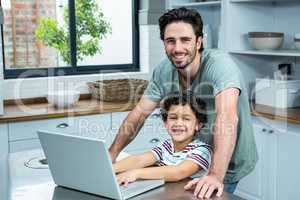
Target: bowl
{"points": [[63, 98], [265, 40]]}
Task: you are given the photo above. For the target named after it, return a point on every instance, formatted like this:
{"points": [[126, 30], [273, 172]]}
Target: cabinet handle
{"points": [[271, 131], [264, 130], [154, 140], [62, 125]]}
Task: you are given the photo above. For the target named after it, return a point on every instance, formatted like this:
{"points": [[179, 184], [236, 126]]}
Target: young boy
{"points": [[184, 156]]}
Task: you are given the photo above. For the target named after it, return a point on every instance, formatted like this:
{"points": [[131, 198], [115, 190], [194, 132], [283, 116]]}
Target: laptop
{"points": [[84, 164]]}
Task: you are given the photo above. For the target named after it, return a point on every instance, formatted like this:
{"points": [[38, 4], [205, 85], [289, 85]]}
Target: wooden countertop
{"points": [[38, 108], [291, 115]]}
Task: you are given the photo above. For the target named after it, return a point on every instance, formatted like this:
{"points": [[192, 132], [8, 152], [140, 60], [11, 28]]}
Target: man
{"points": [[216, 78]]}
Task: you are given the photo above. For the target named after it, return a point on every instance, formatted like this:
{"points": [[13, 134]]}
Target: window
{"points": [[68, 37]]}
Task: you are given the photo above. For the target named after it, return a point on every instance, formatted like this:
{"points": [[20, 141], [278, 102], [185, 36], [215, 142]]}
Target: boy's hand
{"points": [[127, 177]]}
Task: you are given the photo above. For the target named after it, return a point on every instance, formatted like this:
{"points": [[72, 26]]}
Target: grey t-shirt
{"points": [[217, 72]]}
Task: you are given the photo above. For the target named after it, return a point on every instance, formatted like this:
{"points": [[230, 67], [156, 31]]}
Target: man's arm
{"points": [[131, 125], [225, 134], [225, 131]]}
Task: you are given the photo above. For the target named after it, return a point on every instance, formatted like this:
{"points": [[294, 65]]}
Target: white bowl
{"points": [[265, 40], [63, 98]]}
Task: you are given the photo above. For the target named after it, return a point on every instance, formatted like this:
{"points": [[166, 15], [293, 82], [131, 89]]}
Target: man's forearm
{"points": [[127, 132], [224, 143], [131, 125]]}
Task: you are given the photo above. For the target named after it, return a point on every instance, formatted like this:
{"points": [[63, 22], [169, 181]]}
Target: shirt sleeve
{"points": [[225, 74], [154, 90], [201, 156], [158, 153]]}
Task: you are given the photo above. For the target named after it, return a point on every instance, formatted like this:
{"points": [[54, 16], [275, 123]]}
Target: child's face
{"points": [[181, 123]]}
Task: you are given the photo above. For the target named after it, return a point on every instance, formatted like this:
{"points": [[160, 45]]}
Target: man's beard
{"points": [[191, 58]]}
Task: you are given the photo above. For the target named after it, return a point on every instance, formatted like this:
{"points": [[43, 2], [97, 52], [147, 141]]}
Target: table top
{"points": [[50, 191]]}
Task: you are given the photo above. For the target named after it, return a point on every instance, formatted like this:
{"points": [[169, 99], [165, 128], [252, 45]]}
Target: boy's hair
{"points": [[197, 105], [190, 16]]}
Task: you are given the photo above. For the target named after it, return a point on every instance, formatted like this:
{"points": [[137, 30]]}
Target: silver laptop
{"points": [[83, 163]]}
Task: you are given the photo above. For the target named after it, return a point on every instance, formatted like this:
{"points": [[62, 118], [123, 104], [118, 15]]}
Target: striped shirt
{"points": [[196, 151]]}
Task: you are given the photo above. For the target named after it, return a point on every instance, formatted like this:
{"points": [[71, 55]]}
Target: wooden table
{"points": [[49, 191]]}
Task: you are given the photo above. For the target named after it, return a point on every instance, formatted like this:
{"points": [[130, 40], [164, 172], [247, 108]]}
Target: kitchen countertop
{"points": [[36, 109], [49, 191]]}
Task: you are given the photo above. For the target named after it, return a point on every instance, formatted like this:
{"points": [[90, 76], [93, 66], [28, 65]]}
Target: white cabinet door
{"points": [[27, 129], [251, 186], [23, 135], [3, 161], [287, 165], [96, 126]]}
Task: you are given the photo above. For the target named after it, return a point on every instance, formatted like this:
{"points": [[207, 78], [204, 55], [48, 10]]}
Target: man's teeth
{"points": [[179, 57]]}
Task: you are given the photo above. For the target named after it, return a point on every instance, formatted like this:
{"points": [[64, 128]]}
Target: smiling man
{"points": [[212, 75]]}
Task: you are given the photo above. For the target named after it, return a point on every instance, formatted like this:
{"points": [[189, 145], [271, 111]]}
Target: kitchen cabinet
{"points": [[151, 134], [3, 161], [251, 187], [276, 174], [23, 135], [247, 16], [231, 20], [287, 164]]}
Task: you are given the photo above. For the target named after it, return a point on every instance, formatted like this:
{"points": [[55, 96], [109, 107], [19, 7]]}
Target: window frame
{"points": [[82, 69]]}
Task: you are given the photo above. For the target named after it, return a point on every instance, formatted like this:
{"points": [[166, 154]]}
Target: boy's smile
{"points": [[181, 125]]}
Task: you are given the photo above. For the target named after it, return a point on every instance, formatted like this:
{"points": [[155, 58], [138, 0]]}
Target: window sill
{"points": [[38, 87]]}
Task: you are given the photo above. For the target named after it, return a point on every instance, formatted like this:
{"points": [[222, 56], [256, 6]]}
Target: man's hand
{"points": [[127, 177], [205, 186]]}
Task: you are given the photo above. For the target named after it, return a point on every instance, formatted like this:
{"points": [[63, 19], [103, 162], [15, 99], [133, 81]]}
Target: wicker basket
{"points": [[129, 90]]}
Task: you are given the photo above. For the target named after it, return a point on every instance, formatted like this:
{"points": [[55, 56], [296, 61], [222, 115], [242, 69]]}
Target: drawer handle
{"points": [[264, 130], [154, 140], [271, 131], [62, 125]]}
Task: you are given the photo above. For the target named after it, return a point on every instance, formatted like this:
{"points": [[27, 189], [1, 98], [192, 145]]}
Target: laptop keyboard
{"points": [[133, 187]]}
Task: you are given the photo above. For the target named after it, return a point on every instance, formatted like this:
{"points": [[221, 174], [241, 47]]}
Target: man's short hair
{"points": [[190, 16]]}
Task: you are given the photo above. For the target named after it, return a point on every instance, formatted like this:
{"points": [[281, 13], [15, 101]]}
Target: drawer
{"points": [[27, 130], [143, 142], [151, 134], [23, 145], [118, 118], [97, 126], [93, 124]]}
